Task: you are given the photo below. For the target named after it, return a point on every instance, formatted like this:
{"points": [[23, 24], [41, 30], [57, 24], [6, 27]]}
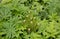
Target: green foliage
{"points": [[30, 19]]}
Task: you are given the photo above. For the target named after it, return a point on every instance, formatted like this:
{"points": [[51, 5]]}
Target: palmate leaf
{"points": [[9, 28], [52, 29], [27, 36], [35, 36], [53, 16], [10, 31], [4, 13], [43, 25], [53, 6], [36, 6]]}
